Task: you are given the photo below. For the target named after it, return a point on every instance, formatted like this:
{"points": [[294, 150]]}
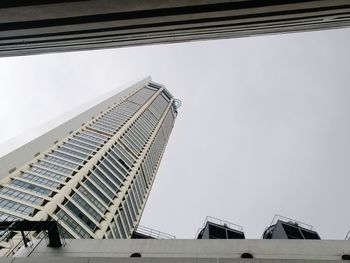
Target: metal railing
{"points": [[152, 233], [347, 236], [13, 240], [290, 221]]}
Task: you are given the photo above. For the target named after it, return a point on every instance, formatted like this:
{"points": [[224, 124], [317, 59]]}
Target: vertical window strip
{"points": [[123, 154], [94, 213], [108, 176], [115, 229], [133, 201], [125, 222], [94, 200], [72, 224], [90, 185], [101, 182], [118, 164], [121, 226], [116, 174], [136, 194], [131, 208], [128, 215], [80, 216]]}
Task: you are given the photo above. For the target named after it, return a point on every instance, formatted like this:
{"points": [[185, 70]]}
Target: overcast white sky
{"points": [[264, 126]]}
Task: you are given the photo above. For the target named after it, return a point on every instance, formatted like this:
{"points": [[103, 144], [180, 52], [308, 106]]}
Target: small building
{"points": [[286, 228], [214, 228]]}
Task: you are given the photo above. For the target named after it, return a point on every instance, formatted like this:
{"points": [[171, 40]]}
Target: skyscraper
{"points": [[94, 172]]}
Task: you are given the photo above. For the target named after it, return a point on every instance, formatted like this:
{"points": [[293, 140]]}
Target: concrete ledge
{"points": [[224, 251]]}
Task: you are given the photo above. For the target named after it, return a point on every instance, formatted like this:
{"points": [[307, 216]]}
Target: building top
{"points": [[17, 151]]}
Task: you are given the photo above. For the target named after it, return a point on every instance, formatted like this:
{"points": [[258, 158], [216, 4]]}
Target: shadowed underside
{"points": [[41, 26]]}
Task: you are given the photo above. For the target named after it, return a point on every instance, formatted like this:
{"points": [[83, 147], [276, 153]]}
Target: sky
{"points": [[263, 128]]}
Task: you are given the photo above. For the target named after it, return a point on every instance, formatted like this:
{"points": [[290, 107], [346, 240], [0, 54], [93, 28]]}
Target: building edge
{"points": [[53, 131]]}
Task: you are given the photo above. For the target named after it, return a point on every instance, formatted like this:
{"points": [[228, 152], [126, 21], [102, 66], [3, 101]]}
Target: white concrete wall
{"points": [[195, 250]]}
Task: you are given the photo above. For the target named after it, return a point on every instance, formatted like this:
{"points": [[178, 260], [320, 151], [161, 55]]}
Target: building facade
{"points": [[94, 172], [31, 27]]}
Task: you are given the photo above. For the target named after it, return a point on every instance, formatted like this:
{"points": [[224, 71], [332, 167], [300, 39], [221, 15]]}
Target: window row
{"points": [[54, 167], [31, 187], [72, 145], [15, 194], [61, 162], [87, 144], [40, 180], [41, 171], [16, 207]]}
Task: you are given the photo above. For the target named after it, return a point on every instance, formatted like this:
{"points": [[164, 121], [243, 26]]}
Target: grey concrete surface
{"points": [[32, 27], [195, 250], [156, 260]]}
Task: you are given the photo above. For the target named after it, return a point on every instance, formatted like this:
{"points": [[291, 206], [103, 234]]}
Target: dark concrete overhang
{"points": [[41, 26]]}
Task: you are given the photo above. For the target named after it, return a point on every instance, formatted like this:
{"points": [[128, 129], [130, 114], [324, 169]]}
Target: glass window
{"points": [[54, 167], [21, 196], [104, 182], [82, 217], [58, 161], [31, 187], [68, 157], [93, 188], [78, 148], [37, 170], [74, 226], [141, 96], [16, 207], [80, 142], [121, 227], [89, 140], [92, 199], [40, 180], [73, 152], [88, 208]]}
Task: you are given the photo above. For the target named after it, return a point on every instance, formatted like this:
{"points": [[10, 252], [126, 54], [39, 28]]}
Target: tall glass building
{"points": [[93, 172]]}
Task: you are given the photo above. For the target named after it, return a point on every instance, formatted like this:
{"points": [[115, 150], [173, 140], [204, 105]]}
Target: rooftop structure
{"points": [[215, 228], [286, 228]]}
